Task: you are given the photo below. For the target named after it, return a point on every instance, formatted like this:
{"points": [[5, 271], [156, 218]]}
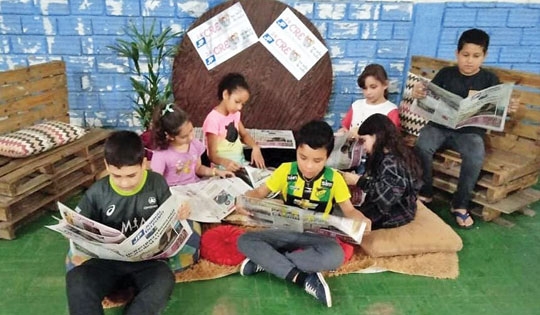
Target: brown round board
{"points": [[278, 100]]}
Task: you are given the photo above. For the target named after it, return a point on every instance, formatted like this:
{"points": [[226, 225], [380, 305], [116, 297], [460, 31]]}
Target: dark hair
{"points": [[387, 137], [373, 70], [124, 148], [474, 36], [166, 121], [231, 82], [316, 134]]}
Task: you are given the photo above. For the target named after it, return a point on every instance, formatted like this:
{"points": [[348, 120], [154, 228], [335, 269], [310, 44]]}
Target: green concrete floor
{"points": [[498, 275]]}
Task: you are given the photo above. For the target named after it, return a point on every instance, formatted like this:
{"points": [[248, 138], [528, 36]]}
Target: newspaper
{"points": [[213, 199], [253, 176], [485, 109], [267, 212], [347, 152], [265, 138], [160, 237]]}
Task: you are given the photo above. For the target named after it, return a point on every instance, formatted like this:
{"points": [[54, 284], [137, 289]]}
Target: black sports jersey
{"points": [[124, 212]]}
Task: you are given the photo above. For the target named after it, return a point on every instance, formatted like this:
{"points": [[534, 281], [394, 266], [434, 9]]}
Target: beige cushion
{"points": [[38, 138], [427, 233]]}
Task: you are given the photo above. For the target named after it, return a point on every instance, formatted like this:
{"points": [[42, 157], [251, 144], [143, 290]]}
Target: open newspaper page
{"points": [[347, 152], [254, 176], [161, 236], [280, 139], [265, 138], [267, 212], [485, 109], [213, 199]]}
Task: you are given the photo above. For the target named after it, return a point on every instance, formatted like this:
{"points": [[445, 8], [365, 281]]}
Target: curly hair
{"points": [[387, 140], [166, 122]]}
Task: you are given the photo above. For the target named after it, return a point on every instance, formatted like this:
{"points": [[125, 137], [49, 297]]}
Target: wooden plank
{"points": [[485, 188], [449, 184], [46, 98], [11, 93], [8, 229], [6, 203], [34, 72], [26, 119], [505, 166], [512, 143]]}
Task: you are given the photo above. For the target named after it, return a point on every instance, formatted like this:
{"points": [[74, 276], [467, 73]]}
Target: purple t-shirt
{"points": [[178, 168]]}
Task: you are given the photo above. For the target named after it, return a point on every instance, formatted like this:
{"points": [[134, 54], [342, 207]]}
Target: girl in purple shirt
{"points": [[178, 154]]}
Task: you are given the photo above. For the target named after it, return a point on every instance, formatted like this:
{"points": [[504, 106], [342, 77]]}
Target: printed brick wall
{"points": [[356, 32]]}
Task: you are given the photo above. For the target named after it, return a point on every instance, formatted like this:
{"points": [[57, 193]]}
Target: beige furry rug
{"points": [[436, 265]]}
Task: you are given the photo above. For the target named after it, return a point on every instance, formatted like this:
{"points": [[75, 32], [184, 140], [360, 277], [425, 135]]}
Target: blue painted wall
{"points": [[356, 32]]}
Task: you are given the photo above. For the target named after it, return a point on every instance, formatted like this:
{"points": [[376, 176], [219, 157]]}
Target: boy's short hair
{"points": [[474, 36], [316, 134], [124, 148]]}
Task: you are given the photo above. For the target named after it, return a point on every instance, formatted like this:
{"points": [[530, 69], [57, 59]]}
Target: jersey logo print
{"points": [[110, 210]]}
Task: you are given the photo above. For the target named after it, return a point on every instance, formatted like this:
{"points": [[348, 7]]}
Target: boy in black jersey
{"points": [[124, 200], [464, 79]]}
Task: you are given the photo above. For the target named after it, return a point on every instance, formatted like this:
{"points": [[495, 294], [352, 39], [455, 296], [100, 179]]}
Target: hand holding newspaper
{"points": [[266, 212], [485, 109], [161, 236], [213, 199], [253, 176], [347, 152]]}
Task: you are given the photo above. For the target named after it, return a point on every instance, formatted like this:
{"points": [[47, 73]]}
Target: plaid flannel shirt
{"points": [[390, 195]]}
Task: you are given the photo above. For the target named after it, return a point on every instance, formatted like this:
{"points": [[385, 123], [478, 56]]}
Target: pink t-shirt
{"points": [[178, 168], [225, 127]]}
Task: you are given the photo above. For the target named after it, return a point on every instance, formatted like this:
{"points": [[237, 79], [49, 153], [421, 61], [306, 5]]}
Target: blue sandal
{"points": [[463, 217]]}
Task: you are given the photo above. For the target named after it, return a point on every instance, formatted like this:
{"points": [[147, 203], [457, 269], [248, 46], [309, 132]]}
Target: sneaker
{"points": [[317, 286], [425, 199], [248, 268]]}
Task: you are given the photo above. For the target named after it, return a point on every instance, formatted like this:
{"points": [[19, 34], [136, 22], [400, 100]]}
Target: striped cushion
{"points": [[410, 122], [38, 138]]}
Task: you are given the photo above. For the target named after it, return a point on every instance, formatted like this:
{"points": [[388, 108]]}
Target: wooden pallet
{"points": [[69, 169], [483, 195], [37, 204], [485, 188], [501, 166], [20, 176]]}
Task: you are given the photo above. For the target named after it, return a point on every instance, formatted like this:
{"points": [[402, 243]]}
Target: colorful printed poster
{"points": [[293, 44], [223, 36]]}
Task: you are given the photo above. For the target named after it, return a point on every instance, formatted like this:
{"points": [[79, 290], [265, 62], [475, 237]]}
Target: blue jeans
{"points": [[276, 251], [89, 283], [471, 149]]}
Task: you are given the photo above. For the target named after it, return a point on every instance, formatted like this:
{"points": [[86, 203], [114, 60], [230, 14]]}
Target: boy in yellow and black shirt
{"points": [[316, 194], [307, 183]]}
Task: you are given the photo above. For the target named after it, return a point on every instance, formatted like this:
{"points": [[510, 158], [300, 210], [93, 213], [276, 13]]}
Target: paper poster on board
{"points": [[293, 44], [223, 36]]}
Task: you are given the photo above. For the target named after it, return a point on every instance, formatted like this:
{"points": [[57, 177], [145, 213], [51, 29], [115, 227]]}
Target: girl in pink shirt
{"points": [[178, 153], [224, 130]]}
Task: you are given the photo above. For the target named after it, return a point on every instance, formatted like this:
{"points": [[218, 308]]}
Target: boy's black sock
{"points": [[300, 277]]}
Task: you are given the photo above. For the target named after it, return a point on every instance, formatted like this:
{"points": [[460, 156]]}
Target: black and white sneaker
{"points": [[317, 286], [248, 268]]}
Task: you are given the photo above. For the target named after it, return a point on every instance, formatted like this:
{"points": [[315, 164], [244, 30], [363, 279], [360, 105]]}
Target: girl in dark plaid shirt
{"points": [[392, 178]]}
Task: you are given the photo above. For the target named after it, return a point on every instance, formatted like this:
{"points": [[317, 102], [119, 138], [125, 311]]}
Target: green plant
{"points": [[147, 51]]}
